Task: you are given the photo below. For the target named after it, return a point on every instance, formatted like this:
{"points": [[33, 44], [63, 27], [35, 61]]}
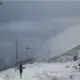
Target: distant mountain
{"points": [[67, 54], [72, 52]]}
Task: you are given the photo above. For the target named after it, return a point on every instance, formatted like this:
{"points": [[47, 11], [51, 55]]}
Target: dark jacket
{"points": [[21, 68]]}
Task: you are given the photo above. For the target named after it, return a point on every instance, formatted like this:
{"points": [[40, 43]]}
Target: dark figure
{"points": [[75, 58], [1, 3], [20, 70], [79, 67], [79, 64]]}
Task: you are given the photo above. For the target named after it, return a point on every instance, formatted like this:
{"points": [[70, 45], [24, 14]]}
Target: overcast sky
{"points": [[34, 22]]}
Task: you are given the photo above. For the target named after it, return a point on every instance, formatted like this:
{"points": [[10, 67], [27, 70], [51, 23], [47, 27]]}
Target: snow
{"points": [[64, 41], [44, 71], [0, 79]]}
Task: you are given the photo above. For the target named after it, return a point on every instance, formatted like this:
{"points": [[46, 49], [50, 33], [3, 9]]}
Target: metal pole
{"points": [[27, 55], [27, 51], [16, 52]]}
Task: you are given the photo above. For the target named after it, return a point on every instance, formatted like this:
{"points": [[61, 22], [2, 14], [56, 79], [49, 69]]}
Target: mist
{"points": [[37, 25], [63, 42]]}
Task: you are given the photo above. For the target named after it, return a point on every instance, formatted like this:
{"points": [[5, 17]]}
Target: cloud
{"points": [[33, 23], [40, 0], [12, 10]]}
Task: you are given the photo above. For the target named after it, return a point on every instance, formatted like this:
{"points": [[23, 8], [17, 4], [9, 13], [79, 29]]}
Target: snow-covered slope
{"points": [[44, 71], [63, 42]]}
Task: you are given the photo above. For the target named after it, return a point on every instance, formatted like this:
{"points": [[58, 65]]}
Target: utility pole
{"points": [[27, 51], [48, 54], [16, 51]]}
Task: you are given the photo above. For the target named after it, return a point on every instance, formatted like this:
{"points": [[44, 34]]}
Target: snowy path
{"points": [[41, 71]]}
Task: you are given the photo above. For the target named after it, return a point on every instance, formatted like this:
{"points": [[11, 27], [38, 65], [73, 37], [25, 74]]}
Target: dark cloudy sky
{"points": [[34, 22]]}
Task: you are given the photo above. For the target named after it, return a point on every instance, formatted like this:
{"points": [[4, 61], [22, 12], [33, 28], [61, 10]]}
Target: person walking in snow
{"points": [[20, 70]]}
